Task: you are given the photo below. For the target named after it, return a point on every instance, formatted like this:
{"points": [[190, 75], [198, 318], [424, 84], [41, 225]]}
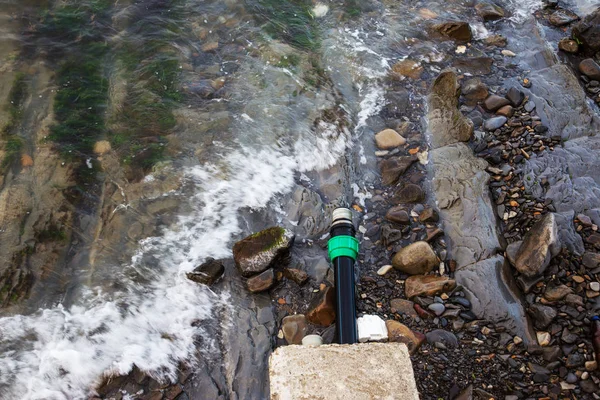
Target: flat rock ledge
{"points": [[334, 372]]}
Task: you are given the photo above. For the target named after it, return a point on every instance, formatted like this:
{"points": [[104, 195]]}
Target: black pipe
{"points": [[343, 268]]}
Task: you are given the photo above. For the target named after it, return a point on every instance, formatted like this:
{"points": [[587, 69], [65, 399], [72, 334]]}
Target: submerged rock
{"points": [[540, 244], [208, 272], [262, 250], [562, 17], [393, 168], [427, 285], [489, 11], [474, 91], [460, 31], [415, 259], [587, 32], [400, 333], [321, 310], [261, 282], [409, 68], [410, 193], [446, 123]]}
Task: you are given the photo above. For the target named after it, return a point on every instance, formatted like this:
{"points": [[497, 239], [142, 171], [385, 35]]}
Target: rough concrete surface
{"points": [[354, 372]]}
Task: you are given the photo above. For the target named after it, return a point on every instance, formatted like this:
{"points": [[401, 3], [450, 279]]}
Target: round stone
{"points": [[389, 139]]}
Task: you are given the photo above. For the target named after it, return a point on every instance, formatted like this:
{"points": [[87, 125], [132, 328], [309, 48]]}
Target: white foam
{"points": [[522, 10]]}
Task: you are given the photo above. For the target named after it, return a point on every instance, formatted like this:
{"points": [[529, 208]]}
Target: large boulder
{"points": [[415, 259], [489, 287], [446, 123], [460, 185], [260, 251], [587, 32], [540, 244]]}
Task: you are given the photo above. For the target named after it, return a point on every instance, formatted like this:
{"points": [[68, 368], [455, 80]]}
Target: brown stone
{"points": [[208, 47], [393, 168], [506, 111], [402, 306], [321, 310], [389, 139], [460, 31], [208, 272], [568, 45], [409, 68], [495, 102], [416, 259], [172, 392], [474, 91], [297, 275], [427, 285], [410, 193], [26, 160], [556, 293], [495, 40], [400, 333], [429, 215], [590, 68], [398, 215], [261, 282], [102, 147], [540, 244], [294, 328], [489, 11]]}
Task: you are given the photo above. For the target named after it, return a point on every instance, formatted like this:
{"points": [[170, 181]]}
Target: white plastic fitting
{"points": [[371, 328]]}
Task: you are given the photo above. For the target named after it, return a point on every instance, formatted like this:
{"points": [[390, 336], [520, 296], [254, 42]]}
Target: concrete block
{"points": [[365, 371]]}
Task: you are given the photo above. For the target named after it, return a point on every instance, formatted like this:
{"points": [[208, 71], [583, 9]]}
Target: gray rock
{"points": [[460, 185], [515, 96], [587, 32], [264, 249], [445, 122], [562, 103], [207, 273], [540, 244], [495, 123], [591, 260], [442, 336], [542, 315], [415, 259], [488, 285], [529, 106]]}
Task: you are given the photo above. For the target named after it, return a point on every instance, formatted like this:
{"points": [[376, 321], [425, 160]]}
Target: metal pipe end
{"points": [[341, 215]]}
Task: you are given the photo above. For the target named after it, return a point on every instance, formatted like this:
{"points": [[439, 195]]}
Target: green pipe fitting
{"points": [[343, 246]]}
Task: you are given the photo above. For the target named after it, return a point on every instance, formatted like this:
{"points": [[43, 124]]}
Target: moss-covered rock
{"points": [[260, 251]]}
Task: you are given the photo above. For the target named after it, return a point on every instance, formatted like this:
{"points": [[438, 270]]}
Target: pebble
{"points": [[595, 286], [543, 338], [384, 270], [517, 340], [495, 123], [437, 308], [508, 53]]}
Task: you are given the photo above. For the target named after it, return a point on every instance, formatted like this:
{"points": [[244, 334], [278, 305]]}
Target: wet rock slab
{"points": [[257, 252], [460, 184]]}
